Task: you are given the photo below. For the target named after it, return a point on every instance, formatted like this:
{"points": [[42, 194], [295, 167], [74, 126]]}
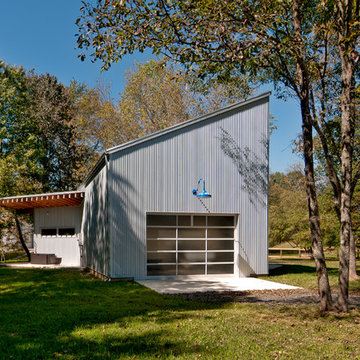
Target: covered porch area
{"points": [[57, 218]]}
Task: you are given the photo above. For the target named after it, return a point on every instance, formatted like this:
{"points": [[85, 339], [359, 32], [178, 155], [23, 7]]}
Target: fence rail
{"points": [[298, 250]]}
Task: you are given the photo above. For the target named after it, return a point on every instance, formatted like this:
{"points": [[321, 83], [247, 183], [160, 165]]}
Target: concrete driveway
{"points": [[193, 284]]}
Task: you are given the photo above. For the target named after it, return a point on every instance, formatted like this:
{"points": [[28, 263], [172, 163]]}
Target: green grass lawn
{"points": [[62, 314], [301, 272]]}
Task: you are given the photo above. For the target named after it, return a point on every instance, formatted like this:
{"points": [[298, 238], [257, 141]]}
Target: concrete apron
{"points": [[194, 284]]}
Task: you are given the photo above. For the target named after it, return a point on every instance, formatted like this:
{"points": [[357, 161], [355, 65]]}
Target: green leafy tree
{"points": [[41, 149], [288, 213], [18, 133], [18, 139], [96, 116], [60, 152], [288, 216]]}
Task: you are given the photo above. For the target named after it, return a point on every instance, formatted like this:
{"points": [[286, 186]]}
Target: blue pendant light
{"points": [[203, 194]]}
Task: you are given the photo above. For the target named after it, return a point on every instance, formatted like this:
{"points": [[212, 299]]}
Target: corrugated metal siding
{"points": [[94, 224], [230, 151], [59, 217], [66, 216]]}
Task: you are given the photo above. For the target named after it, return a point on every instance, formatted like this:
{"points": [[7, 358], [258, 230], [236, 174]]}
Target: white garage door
{"points": [[190, 244]]}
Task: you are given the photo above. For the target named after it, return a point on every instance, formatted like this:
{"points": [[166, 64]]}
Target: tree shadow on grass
{"points": [[299, 269], [292, 269], [149, 344], [43, 312]]}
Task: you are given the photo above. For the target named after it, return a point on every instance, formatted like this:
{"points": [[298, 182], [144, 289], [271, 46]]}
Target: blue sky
{"points": [[40, 35]]}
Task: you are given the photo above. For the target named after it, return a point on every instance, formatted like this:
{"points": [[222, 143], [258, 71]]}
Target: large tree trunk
{"points": [[345, 229], [352, 260], [326, 303], [318, 251], [352, 257], [347, 135]]}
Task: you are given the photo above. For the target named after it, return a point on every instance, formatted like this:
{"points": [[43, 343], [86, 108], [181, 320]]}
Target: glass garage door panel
{"points": [[213, 269], [158, 258], [191, 269], [199, 220], [161, 233], [190, 244], [184, 220], [221, 221], [221, 233], [220, 244], [161, 220], [159, 270], [191, 257], [216, 257], [158, 245], [191, 233]]}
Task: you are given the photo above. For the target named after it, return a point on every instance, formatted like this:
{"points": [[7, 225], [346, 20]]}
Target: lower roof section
{"points": [[27, 202]]}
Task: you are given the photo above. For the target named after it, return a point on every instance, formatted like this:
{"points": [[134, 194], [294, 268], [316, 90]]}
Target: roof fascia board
{"points": [[43, 194]]}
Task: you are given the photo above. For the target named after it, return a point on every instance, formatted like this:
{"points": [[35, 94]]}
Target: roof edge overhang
{"points": [[45, 200]]}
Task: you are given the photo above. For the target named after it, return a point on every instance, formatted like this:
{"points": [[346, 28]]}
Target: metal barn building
{"points": [[144, 210]]}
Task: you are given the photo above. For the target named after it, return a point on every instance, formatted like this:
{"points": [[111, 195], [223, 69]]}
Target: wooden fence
{"points": [[299, 251]]}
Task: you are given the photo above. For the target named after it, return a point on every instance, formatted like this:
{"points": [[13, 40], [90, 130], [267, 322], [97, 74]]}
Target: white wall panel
{"points": [[64, 247]]}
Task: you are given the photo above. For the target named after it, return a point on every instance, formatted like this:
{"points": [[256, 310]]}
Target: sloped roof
{"points": [[101, 162]]}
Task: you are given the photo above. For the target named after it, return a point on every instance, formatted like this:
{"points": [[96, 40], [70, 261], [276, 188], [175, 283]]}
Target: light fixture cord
{"points": [[204, 205]]}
